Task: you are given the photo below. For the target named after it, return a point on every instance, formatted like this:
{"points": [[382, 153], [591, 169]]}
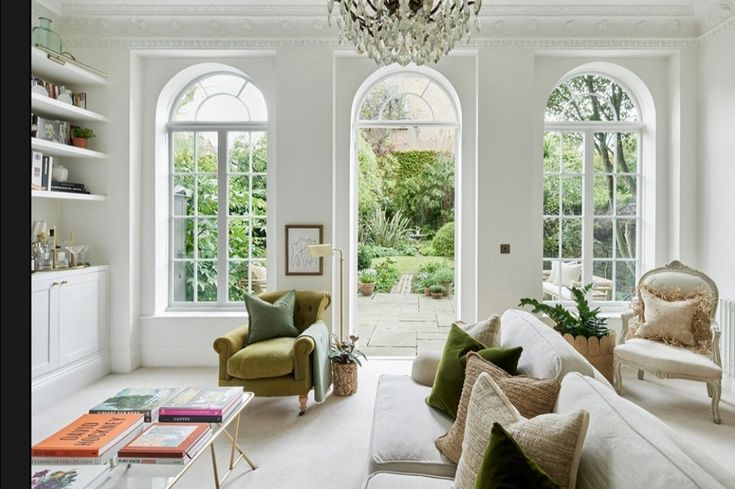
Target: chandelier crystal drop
{"points": [[404, 31]]}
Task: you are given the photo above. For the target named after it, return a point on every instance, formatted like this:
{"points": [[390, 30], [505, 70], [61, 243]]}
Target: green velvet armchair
{"points": [[278, 366]]}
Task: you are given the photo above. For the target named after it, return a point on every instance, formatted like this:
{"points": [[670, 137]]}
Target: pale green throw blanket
{"points": [[321, 365]]}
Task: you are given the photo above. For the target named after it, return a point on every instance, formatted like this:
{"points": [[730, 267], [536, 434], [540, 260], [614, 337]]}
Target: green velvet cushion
{"points": [[505, 466], [270, 320], [447, 388]]}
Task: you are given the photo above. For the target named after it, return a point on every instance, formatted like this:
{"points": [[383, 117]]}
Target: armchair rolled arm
{"points": [[715, 329], [625, 318], [229, 344], [302, 348]]}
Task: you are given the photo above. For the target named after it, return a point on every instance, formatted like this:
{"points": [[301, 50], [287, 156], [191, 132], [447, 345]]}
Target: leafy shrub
{"points": [[443, 242], [385, 231], [436, 289], [431, 267], [388, 275], [420, 281], [427, 250], [368, 276], [381, 251], [443, 276], [364, 257], [407, 249]]}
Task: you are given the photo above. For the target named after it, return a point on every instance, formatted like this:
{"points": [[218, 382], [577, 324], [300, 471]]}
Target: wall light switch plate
{"points": [[504, 249]]}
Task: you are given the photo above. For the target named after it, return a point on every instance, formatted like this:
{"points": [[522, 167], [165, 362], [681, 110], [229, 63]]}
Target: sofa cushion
{"points": [[486, 331], [389, 480], [264, 359], [626, 446], [667, 320], [404, 430], [546, 354], [675, 360]]}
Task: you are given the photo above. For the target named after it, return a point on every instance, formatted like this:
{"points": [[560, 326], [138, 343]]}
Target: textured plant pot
{"points": [[437, 295], [367, 289], [79, 142], [447, 287], [599, 352], [344, 378], [427, 292]]}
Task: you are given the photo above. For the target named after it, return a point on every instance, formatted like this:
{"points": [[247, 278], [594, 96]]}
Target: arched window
{"points": [[218, 168], [592, 174]]}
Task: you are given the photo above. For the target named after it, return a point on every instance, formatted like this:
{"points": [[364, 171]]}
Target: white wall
{"points": [[716, 233]]}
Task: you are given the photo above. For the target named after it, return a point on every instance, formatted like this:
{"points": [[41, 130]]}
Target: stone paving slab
{"points": [[386, 337], [371, 351], [429, 345]]}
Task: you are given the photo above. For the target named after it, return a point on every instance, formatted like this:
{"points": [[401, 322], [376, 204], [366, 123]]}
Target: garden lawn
{"points": [[411, 264]]}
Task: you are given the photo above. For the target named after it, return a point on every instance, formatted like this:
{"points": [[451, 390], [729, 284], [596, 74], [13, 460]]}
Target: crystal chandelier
{"points": [[404, 31]]}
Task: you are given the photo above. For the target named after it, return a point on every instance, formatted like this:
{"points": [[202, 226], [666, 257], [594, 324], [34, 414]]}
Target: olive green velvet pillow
{"points": [[449, 380], [505, 465], [270, 320]]}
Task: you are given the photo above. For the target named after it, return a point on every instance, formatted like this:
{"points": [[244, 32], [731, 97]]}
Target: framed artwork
{"points": [[298, 259]]}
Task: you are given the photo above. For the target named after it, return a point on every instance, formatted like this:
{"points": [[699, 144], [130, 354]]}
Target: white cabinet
{"points": [[68, 318]]}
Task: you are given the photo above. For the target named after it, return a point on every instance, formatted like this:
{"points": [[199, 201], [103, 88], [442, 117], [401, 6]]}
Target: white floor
{"points": [[327, 448]]}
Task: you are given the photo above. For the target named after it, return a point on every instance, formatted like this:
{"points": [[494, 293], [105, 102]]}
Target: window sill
{"points": [[198, 314]]}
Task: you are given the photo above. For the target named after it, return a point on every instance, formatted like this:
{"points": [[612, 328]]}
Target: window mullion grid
{"points": [[195, 268], [614, 292], [560, 213], [587, 209], [250, 212], [171, 226], [222, 218]]}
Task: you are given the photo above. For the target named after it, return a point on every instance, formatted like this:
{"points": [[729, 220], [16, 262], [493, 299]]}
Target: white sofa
{"points": [[625, 447]]}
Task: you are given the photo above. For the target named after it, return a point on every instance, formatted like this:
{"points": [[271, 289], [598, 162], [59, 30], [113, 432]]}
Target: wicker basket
{"points": [[344, 378], [599, 352]]}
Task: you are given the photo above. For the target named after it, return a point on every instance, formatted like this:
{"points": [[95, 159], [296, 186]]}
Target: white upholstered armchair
{"points": [[699, 361]]}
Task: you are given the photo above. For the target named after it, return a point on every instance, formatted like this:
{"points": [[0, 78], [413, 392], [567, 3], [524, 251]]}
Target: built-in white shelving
{"points": [[46, 106], [50, 194], [58, 149], [62, 69]]}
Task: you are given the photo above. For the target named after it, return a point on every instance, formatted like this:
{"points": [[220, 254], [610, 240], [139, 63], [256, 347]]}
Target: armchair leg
{"points": [[710, 391], [640, 374], [302, 404], [715, 386], [617, 378]]}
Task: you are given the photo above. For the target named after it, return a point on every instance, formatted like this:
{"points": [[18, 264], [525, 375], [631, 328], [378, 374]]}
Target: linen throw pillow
{"points": [[553, 441], [449, 379], [505, 465], [486, 331], [270, 320], [664, 320], [529, 395]]}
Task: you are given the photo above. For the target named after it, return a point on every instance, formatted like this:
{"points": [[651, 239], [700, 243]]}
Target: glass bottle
{"points": [[44, 36]]}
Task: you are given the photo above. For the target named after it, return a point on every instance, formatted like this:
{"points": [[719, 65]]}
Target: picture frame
{"points": [[298, 259], [53, 130]]}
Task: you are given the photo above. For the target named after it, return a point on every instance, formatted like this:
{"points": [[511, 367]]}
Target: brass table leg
{"points": [[233, 461]]}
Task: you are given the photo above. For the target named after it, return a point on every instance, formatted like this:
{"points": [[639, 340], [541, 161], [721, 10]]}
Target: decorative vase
{"points": [[79, 142], [59, 173], [44, 36], [598, 351], [344, 378]]}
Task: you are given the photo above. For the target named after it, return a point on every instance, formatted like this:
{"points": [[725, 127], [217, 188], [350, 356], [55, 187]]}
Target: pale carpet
{"points": [[328, 447]]}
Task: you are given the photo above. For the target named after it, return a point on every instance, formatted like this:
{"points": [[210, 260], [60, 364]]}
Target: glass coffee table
{"points": [[165, 476]]}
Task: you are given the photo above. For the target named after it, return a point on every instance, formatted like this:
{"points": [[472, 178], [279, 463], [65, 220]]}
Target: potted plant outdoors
{"points": [[345, 360], [367, 280], [437, 291], [422, 281], [445, 277], [80, 136], [585, 330]]}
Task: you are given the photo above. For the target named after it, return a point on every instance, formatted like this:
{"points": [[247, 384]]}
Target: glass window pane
{"points": [[207, 195], [572, 152], [259, 229], [552, 152], [183, 152], [238, 152], [602, 195], [626, 195], [258, 275], [183, 281], [222, 83], [207, 238], [183, 245], [571, 196], [260, 152], [258, 247], [183, 195], [626, 236], [624, 280], [407, 97], [206, 150], [222, 107], [239, 195], [259, 183], [603, 159], [255, 103], [627, 152], [237, 282], [207, 276], [590, 97], [239, 237], [259, 203], [602, 272], [571, 244], [551, 238], [603, 238], [551, 195]]}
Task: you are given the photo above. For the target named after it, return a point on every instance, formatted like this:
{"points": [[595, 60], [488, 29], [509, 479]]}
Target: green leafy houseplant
{"points": [[346, 352], [368, 276], [586, 322], [82, 132], [345, 360], [436, 289]]}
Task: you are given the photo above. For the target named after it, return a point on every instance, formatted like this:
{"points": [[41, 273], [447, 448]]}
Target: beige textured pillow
{"points": [[553, 441], [529, 395], [486, 331], [664, 320]]}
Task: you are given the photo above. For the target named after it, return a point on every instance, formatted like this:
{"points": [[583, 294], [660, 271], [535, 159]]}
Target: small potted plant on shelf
{"points": [[584, 330], [345, 360], [437, 291], [367, 280], [80, 136]]}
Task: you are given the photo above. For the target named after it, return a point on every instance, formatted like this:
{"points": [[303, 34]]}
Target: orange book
{"points": [[90, 435]]}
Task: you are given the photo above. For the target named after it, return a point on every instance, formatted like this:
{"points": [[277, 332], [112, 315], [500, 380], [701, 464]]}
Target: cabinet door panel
{"points": [[81, 319], [44, 351]]}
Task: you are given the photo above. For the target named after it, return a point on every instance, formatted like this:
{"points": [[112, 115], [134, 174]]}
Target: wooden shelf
{"points": [[50, 194], [61, 69], [58, 149], [46, 106]]}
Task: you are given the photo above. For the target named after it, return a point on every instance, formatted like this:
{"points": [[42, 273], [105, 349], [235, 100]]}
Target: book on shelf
{"points": [[204, 401], [46, 168], [164, 443], [89, 439], [68, 476], [36, 170], [203, 418], [77, 188], [135, 400]]}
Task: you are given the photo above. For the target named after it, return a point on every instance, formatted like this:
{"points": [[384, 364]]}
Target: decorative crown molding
{"points": [[712, 13]]}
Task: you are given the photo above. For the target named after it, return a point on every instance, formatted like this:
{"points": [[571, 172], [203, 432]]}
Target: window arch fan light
{"points": [[404, 31]]}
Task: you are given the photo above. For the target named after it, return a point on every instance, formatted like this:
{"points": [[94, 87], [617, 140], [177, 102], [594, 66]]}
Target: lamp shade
{"points": [[321, 250]]}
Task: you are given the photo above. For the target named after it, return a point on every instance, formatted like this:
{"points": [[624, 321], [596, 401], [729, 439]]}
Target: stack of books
{"points": [[77, 188], [166, 443], [136, 400], [89, 439], [201, 405], [68, 476]]}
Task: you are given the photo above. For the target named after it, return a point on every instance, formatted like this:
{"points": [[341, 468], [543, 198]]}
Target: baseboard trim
{"points": [[60, 383], [178, 356]]}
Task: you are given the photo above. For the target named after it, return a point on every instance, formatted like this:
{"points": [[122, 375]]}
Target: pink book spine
{"points": [[189, 412]]}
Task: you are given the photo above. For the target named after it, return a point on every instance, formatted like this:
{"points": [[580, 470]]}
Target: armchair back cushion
{"points": [[309, 307], [667, 320]]}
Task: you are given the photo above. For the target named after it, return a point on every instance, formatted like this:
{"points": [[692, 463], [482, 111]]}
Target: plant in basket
{"points": [[345, 360]]}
